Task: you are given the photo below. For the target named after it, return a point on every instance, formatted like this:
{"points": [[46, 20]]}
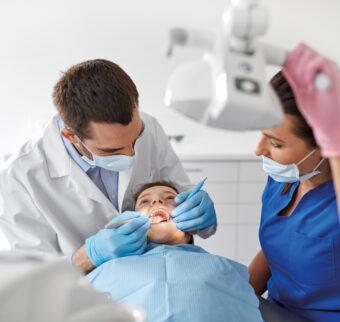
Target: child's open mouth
{"points": [[159, 215]]}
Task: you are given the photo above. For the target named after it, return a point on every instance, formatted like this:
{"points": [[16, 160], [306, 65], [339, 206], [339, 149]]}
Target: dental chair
{"points": [[39, 289]]}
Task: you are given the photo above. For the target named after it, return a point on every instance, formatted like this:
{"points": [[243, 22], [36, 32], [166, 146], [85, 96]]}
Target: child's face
{"points": [[157, 203]]}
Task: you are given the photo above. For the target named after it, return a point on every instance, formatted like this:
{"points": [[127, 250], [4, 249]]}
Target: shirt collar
{"points": [[71, 150]]}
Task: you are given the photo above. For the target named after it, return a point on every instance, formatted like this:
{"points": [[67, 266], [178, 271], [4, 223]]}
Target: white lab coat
{"points": [[50, 205]]}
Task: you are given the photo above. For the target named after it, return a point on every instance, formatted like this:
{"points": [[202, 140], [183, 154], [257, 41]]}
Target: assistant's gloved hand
{"points": [[195, 213], [128, 239], [321, 108]]}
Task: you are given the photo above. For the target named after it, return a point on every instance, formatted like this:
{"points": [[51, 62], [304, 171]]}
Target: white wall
{"points": [[41, 38]]}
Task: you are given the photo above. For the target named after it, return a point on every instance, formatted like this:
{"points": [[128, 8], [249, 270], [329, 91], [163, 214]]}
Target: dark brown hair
{"points": [[154, 184], [287, 98], [95, 90]]}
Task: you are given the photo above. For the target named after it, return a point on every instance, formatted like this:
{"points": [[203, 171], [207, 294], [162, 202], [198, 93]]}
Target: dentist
{"points": [[61, 189]]}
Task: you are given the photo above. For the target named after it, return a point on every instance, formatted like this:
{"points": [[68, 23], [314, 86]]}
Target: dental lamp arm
{"points": [[228, 88], [277, 56], [199, 38]]}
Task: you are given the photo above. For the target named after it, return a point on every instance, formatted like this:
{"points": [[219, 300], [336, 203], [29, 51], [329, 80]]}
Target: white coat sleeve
{"points": [[172, 170], [21, 222]]}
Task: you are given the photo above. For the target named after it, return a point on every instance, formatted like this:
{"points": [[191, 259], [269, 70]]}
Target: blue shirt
{"points": [[105, 180], [303, 250], [180, 283]]}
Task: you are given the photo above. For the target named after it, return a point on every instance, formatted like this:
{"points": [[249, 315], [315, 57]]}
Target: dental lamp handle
{"points": [[277, 56], [192, 38]]}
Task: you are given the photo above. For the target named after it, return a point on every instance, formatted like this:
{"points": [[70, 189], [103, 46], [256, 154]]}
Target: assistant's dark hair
{"points": [[154, 184], [95, 90], [300, 127], [287, 98]]}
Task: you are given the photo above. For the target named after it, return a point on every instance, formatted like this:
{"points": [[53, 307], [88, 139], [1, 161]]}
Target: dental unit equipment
{"points": [[227, 88]]}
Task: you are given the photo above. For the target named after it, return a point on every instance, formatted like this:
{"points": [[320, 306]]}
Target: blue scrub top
{"points": [[303, 250]]}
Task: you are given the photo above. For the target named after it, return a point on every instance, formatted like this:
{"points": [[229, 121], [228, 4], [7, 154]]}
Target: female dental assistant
{"points": [[299, 263]]}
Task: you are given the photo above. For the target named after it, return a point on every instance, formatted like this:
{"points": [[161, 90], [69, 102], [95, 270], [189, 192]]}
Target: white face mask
{"points": [[288, 172], [111, 162]]}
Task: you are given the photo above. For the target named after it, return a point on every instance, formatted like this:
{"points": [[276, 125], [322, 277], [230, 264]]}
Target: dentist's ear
{"points": [[69, 135]]}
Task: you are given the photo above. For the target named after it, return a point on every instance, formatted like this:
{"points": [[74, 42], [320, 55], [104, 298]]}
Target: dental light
{"points": [[227, 88]]}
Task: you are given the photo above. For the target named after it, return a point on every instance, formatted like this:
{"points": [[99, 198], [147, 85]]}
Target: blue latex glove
{"points": [[128, 239], [195, 213]]}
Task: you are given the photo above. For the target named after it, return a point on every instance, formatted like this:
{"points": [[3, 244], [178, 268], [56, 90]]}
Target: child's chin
{"points": [[163, 233]]}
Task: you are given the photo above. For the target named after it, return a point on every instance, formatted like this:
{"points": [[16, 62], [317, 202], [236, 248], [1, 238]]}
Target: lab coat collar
{"points": [[60, 164], [123, 183], [82, 184], [57, 159]]}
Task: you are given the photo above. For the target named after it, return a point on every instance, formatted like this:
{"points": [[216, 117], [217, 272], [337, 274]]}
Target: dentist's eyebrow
{"points": [[110, 150]]}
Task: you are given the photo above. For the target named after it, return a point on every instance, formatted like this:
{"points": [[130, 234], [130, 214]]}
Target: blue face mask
{"points": [[288, 172], [111, 162]]}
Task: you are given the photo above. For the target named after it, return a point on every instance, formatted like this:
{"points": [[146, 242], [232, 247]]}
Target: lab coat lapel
{"points": [[123, 183], [84, 185], [61, 165]]}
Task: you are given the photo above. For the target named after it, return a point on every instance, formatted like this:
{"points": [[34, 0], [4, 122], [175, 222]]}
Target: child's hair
{"points": [[154, 184]]}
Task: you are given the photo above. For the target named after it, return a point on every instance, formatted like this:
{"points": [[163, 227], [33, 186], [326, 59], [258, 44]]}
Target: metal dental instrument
{"points": [[197, 188], [117, 224]]}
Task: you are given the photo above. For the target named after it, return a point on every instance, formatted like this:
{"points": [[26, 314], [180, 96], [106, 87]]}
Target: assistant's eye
{"points": [[275, 145]]}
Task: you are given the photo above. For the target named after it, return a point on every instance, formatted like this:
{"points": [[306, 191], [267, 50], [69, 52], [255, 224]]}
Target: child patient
{"points": [[174, 280], [157, 200]]}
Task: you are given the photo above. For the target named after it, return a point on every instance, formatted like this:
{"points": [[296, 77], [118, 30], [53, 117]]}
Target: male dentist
{"points": [[60, 190]]}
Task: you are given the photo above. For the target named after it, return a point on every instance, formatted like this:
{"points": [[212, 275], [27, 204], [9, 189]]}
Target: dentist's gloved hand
{"points": [[128, 239], [195, 213], [321, 108]]}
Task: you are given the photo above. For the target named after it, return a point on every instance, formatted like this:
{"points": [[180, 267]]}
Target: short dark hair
{"points": [[287, 98], [154, 184], [95, 90]]}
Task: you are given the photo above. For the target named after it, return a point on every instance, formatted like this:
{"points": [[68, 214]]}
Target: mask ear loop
{"points": [[318, 165], [82, 145], [307, 156], [315, 172]]}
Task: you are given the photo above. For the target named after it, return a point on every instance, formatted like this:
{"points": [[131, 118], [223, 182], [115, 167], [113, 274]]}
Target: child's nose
{"points": [[157, 200]]}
